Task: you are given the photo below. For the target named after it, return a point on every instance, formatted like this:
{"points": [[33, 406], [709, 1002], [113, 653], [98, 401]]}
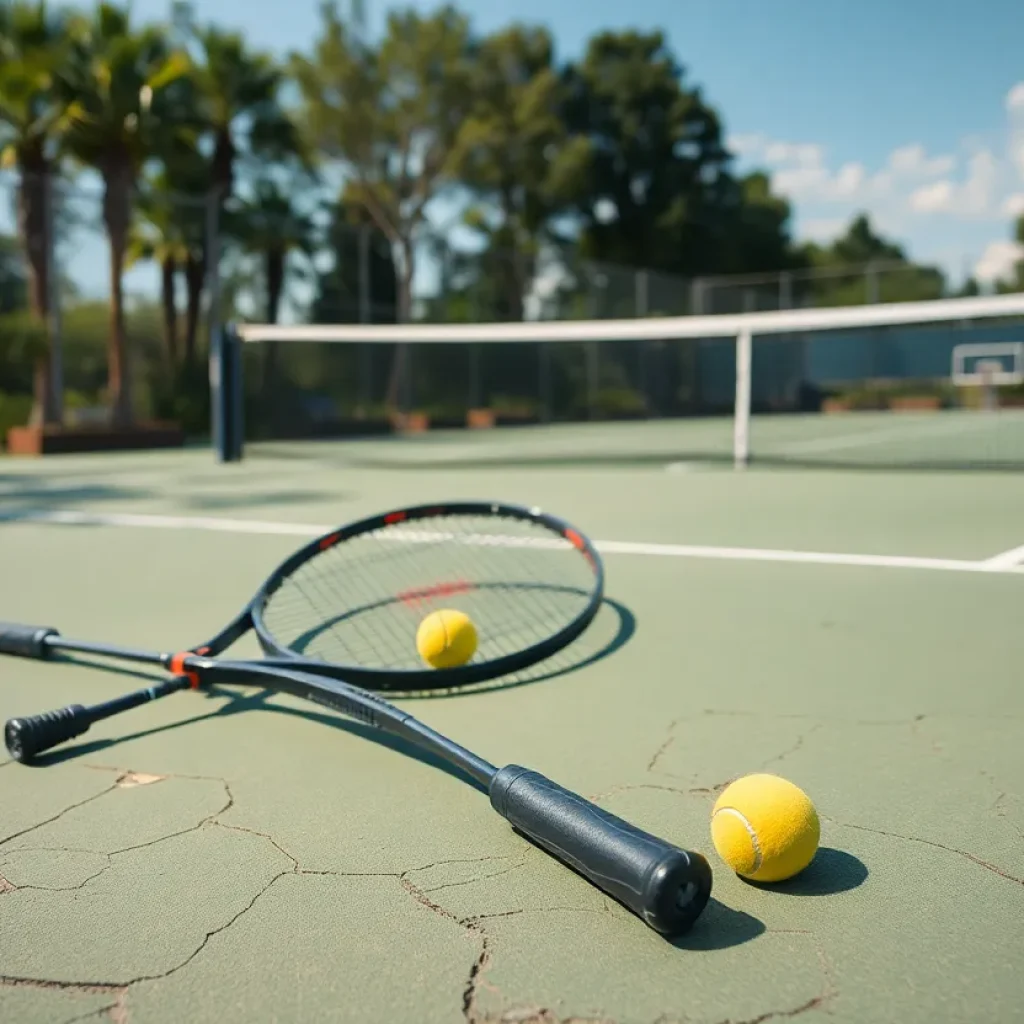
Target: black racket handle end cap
{"points": [[26, 737], [667, 887], [25, 641]]}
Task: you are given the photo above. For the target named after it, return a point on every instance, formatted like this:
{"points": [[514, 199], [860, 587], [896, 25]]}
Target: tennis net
{"points": [[936, 384]]}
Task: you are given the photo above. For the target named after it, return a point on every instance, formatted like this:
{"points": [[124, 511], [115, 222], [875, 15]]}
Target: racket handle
{"points": [[26, 737], [25, 641], [665, 886]]}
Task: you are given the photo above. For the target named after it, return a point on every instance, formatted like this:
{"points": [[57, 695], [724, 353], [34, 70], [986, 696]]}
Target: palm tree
{"points": [[158, 235], [270, 226], [237, 86], [233, 104], [33, 45], [114, 76]]}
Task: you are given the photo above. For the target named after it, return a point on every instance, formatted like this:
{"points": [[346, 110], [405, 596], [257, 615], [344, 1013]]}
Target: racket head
{"points": [[348, 604]]}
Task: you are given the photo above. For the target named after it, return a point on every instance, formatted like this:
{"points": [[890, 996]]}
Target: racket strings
{"points": [[362, 600]]}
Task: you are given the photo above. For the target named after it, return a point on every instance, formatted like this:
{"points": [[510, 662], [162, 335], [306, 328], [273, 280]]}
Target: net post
{"points": [[226, 424], [741, 418]]}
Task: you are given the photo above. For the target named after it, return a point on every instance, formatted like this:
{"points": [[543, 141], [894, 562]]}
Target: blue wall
{"points": [[782, 362]]}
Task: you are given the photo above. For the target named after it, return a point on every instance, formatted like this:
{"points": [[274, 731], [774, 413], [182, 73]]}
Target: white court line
{"points": [[1007, 559], [64, 517]]}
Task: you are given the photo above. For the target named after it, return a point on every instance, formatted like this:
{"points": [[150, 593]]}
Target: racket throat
{"points": [[425, 738]]}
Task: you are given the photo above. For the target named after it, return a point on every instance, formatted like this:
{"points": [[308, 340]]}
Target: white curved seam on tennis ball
{"points": [[750, 831]]}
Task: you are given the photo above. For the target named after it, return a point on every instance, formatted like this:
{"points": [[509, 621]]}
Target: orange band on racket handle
{"points": [[176, 666]]}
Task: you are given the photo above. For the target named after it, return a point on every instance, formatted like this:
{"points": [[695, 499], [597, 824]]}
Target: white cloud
{"points": [[914, 161], [980, 183], [742, 145], [1015, 97], [822, 229], [803, 154], [955, 201], [976, 196], [998, 261], [1014, 205], [849, 181], [932, 198]]}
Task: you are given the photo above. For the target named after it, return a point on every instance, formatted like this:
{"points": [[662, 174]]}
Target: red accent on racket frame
{"points": [[414, 598]]}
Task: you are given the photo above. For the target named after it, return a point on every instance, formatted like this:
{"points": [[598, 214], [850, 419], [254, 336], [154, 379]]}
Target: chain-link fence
{"points": [[132, 313]]}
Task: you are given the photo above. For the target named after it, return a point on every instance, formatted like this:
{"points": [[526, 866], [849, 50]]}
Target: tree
{"points": [[754, 231], [230, 103], [351, 238], [862, 266], [13, 280], [391, 116], [1014, 280], [158, 234], [516, 156], [657, 171], [112, 77], [270, 225], [33, 46]]}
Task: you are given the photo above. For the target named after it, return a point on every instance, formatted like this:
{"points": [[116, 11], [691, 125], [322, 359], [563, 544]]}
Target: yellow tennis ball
{"points": [[446, 638], [765, 828]]}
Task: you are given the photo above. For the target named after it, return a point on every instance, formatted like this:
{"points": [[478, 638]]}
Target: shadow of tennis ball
{"points": [[613, 627], [832, 871]]}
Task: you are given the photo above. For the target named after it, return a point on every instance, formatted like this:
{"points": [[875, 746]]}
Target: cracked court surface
{"points": [[239, 857]]}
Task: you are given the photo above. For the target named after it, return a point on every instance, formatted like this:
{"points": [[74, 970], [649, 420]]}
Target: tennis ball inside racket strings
{"points": [[765, 828], [446, 638]]}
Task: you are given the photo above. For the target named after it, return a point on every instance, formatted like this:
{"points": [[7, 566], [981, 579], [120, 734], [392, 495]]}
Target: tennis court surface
{"points": [[235, 856]]}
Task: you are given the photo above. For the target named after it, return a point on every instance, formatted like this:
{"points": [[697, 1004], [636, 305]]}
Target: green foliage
{"points": [[615, 161], [22, 339], [895, 278], [13, 283], [14, 412], [877, 395], [182, 395], [338, 290], [391, 115]]}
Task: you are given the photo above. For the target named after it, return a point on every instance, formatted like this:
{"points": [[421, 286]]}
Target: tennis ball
{"points": [[765, 828], [446, 638]]}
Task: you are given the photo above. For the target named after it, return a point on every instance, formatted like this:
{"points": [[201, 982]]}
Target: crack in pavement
{"points": [[474, 926], [828, 993], [669, 740], [116, 1011], [123, 779], [60, 814], [966, 854], [11, 887], [800, 740]]}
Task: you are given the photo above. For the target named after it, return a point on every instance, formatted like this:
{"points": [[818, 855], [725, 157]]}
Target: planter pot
{"points": [[480, 419], [411, 422], [916, 403], [516, 419], [836, 405], [95, 438]]}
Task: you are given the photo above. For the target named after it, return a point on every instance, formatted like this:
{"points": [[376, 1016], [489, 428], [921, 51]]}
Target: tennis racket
{"points": [[336, 622]]}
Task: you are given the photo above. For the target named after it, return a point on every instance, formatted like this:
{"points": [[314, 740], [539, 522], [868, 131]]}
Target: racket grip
{"points": [[665, 886], [25, 641], [26, 737]]}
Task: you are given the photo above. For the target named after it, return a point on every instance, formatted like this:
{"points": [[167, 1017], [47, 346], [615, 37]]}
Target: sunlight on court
{"points": [[855, 633]]}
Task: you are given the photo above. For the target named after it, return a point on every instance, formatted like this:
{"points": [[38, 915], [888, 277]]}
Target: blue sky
{"points": [[912, 110]]}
